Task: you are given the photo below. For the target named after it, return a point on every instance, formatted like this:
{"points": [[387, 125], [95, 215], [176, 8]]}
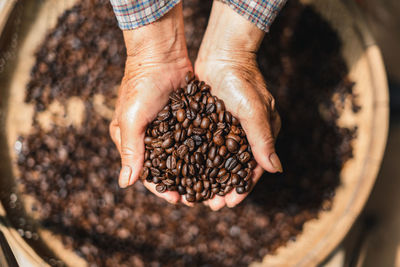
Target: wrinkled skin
{"points": [[226, 61]]}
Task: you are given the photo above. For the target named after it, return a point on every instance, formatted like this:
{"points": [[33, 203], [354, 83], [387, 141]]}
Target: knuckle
{"points": [[127, 152]]}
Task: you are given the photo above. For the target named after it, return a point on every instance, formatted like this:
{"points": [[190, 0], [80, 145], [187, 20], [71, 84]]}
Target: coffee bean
{"points": [[163, 127], [218, 139], [205, 123], [210, 108], [163, 115], [189, 77], [197, 139], [197, 121], [148, 140], [168, 182], [161, 188], [181, 115], [168, 143], [144, 173], [244, 157], [190, 114], [194, 105], [191, 88], [190, 198], [234, 137], [222, 151], [182, 151], [240, 190], [198, 187], [199, 131], [230, 163], [171, 162], [212, 152], [219, 106], [180, 135], [232, 145], [217, 160], [252, 164]]}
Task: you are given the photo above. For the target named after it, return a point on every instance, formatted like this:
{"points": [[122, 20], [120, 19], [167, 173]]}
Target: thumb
{"points": [[262, 142], [132, 152]]}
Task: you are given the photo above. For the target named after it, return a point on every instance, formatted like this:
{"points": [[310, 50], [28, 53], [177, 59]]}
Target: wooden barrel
{"points": [[319, 236]]}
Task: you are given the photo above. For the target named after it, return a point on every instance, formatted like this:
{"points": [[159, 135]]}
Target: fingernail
{"points": [[276, 163], [125, 176]]}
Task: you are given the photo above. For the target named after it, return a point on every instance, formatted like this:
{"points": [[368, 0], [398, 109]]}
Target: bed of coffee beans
{"points": [[196, 147], [72, 172]]}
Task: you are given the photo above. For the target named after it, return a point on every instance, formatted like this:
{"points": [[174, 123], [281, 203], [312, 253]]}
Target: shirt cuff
{"points": [[132, 14], [260, 12]]}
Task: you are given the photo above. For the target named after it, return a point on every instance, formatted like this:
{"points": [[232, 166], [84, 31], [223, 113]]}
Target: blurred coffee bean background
{"points": [[374, 239]]}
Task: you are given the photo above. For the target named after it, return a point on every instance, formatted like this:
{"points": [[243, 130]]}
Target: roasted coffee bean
{"points": [[180, 135], [168, 182], [186, 123], [223, 179], [163, 127], [218, 139], [144, 173], [244, 157], [197, 140], [252, 164], [182, 151], [210, 108], [217, 160], [199, 131], [190, 143], [181, 115], [148, 140], [199, 158], [168, 143], [191, 88], [212, 152], [190, 198], [230, 163], [240, 190], [205, 123], [163, 115], [242, 149], [232, 145], [148, 164], [237, 168], [235, 137], [194, 105], [190, 114], [189, 76], [171, 162], [198, 187], [155, 162], [228, 117], [197, 121], [222, 151], [161, 188], [219, 106]]}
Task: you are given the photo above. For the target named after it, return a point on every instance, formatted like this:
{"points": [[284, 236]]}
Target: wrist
{"points": [[229, 35], [160, 41]]}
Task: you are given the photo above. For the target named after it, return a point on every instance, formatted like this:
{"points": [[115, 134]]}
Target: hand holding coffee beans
{"points": [[196, 147]]}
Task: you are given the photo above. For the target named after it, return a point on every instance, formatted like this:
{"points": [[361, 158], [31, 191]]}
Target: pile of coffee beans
{"points": [[72, 172], [196, 147]]}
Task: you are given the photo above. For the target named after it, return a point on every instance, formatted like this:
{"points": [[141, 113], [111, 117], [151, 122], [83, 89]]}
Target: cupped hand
{"points": [[228, 64], [157, 63]]}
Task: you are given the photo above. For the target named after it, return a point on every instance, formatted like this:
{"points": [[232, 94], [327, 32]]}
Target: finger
{"points": [[206, 202], [171, 196], [262, 141], [216, 203], [132, 148], [187, 203], [115, 134], [276, 124], [233, 198]]}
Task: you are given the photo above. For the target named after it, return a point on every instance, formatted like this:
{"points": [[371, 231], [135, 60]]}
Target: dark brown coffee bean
{"points": [[215, 190], [163, 115], [252, 164], [155, 162], [148, 140], [219, 106], [232, 145], [234, 137], [190, 114], [235, 121], [199, 158], [171, 162], [169, 182], [148, 164], [161, 188], [181, 190], [168, 143], [156, 143], [177, 105], [218, 139], [214, 117], [185, 170], [205, 123], [221, 172], [230, 163], [189, 77], [242, 149], [227, 189], [204, 148], [182, 151], [222, 151], [237, 168], [191, 88], [223, 179], [210, 108], [244, 157], [181, 115], [197, 140], [235, 179], [198, 187], [156, 179], [145, 173], [199, 131], [163, 127], [217, 161], [228, 117], [194, 105], [186, 124], [180, 135], [240, 190], [190, 198], [197, 121], [212, 152]]}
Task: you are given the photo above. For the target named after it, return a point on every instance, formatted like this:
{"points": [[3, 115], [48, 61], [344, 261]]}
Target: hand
{"points": [[227, 62], [157, 62]]}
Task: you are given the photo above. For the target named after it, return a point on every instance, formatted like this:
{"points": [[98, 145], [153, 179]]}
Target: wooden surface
{"points": [[358, 175]]}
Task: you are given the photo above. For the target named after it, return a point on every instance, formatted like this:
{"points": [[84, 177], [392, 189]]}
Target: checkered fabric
{"points": [[132, 14], [260, 12]]}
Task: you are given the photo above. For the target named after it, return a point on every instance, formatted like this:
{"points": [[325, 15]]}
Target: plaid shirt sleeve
{"points": [[133, 14], [260, 12]]}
